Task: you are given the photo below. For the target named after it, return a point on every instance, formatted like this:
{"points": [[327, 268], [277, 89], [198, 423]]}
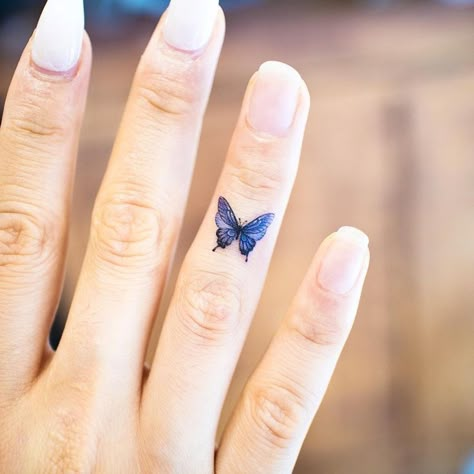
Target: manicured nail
{"points": [[190, 23], [57, 42], [274, 98], [341, 266]]}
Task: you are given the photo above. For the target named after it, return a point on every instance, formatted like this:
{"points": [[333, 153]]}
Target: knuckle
{"points": [[326, 327], [276, 411], [209, 305], [32, 127], [32, 121], [126, 230], [171, 92], [255, 178], [25, 239]]}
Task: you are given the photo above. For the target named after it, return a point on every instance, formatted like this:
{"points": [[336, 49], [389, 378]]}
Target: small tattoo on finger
{"points": [[229, 229]]}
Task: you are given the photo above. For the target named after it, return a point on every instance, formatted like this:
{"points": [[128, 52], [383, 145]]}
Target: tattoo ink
{"points": [[230, 229]]}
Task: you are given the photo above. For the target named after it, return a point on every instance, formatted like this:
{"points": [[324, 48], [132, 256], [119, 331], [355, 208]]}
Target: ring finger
{"points": [[217, 293]]}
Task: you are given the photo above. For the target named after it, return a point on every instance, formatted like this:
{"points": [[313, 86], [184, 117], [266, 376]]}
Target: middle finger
{"points": [[140, 205]]}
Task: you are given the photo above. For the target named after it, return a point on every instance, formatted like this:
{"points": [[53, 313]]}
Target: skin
{"points": [[91, 406]]}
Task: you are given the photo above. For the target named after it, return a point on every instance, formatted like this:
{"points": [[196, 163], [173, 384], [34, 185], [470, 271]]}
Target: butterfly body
{"points": [[229, 229]]}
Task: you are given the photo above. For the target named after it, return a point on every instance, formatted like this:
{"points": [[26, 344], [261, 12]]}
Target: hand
{"points": [[91, 406]]}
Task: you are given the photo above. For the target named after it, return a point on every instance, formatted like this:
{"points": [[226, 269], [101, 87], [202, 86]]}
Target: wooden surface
{"points": [[390, 148]]}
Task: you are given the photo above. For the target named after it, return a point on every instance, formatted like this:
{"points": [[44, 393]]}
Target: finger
{"points": [[140, 205], [273, 416], [217, 293], [38, 144]]}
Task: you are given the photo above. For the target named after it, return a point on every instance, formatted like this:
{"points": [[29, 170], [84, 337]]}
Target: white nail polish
{"points": [[57, 42], [190, 23], [343, 261], [355, 235], [274, 98]]}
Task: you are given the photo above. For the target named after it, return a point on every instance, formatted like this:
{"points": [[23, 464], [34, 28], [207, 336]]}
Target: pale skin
{"points": [[92, 406]]}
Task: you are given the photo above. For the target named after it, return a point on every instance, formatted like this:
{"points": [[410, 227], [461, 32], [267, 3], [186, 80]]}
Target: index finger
{"points": [[38, 145]]}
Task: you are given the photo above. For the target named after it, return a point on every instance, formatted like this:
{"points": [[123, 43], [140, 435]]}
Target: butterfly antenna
{"points": [[214, 249]]}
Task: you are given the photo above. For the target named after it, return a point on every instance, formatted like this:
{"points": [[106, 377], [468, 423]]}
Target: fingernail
{"points": [[57, 42], [341, 266], [274, 98], [190, 23]]}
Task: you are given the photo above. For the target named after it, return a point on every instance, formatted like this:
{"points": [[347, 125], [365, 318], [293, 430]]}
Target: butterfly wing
{"points": [[225, 237], [258, 227], [225, 217], [253, 232], [246, 245], [228, 227]]}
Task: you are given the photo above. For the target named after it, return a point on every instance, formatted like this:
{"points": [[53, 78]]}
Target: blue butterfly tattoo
{"points": [[229, 229]]}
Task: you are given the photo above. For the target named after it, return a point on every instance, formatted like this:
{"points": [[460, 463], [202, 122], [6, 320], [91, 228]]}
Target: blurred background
{"points": [[389, 148]]}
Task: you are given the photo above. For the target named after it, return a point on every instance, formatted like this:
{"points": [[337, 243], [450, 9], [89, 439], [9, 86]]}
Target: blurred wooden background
{"points": [[389, 148]]}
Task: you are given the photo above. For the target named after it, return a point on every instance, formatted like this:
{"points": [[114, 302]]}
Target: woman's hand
{"points": [[92, 406]]}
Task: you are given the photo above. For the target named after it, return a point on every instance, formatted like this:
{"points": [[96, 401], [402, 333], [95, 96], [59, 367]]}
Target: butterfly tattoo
{"points": [[230, 229]]}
